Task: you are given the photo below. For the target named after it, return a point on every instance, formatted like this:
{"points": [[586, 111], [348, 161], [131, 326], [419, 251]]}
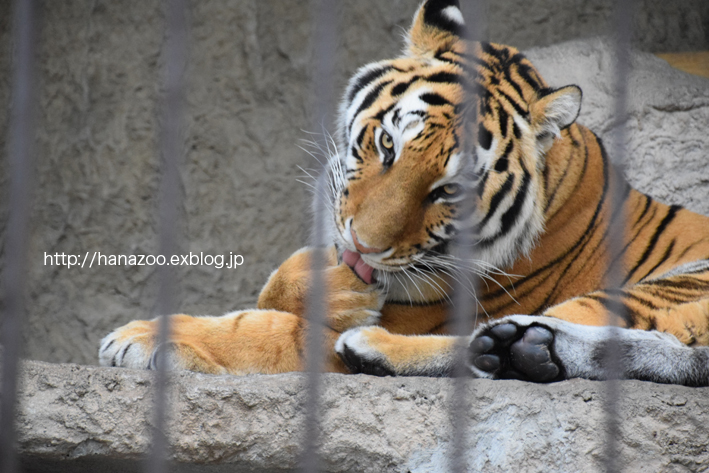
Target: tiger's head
{"points": [[448, 138]]}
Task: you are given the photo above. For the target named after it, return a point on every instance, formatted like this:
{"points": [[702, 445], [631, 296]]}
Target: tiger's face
{"points": [[448, 139]]}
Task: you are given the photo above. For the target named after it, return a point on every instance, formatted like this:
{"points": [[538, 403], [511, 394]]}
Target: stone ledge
{"points": [[84, 418]]}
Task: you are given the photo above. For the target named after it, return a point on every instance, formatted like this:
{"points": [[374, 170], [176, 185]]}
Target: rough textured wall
{"points": [[247, 102], [658, 26]]}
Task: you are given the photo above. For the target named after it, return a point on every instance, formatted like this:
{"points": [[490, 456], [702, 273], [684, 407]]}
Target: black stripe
{"points": [[395, 119], [365, 79], [641, 301], [561, 180], [502, 118], [626, 313], [640, 230], [497, 198], [664, 258], [520, 111], [515, 129], [502, 164], [508, 76], [510, 217], [380, 116], [498, 54], [434, 236], [484, 137], [687, 282], [371, 97], [442, 54], [360, 137], [653, 241], [525, 72], [648, 201], [445, 77], [481, 184], [400, 88], [420, 304], [433, 98]]}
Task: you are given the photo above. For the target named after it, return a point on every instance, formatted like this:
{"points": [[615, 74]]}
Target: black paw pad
{"points": [[504, 332], [358, 364], [488, 362], [531, 356], [513, 352]]}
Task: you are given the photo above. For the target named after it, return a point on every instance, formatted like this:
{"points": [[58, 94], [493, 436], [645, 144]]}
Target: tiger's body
{"points": [[459, 138]]}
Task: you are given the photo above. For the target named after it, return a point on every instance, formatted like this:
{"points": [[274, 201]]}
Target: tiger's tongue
{"points": [[363, 270]]}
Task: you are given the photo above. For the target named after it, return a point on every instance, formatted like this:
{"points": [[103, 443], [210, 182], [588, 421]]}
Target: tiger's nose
{"points": [[361, 247]]}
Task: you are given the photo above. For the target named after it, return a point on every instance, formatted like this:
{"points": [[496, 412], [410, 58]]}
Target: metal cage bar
{"points": [[20, 152], [323, 45], [622, 35], [169, 204], [464, 301]]}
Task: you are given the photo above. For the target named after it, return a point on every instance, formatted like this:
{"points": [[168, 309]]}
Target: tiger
{"points": [[457, 137]]}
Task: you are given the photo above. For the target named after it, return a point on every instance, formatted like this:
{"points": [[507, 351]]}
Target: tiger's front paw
{"points": [[130, 346], [358, 350], [514, 348], [350, 301]]}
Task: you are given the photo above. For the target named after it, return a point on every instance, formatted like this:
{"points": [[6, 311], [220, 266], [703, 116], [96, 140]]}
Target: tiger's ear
{"points": [[553, 111], [438, 26]]}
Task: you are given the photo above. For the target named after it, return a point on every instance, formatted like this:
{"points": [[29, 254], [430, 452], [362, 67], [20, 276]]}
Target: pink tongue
{"points": [[354, 261]]}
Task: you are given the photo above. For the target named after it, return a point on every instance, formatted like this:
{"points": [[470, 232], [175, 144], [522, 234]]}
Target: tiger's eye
{"points": [[451, 189], [386, 141]]}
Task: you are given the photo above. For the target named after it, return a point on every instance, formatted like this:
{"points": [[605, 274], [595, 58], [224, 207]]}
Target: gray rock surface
{"points": [[247, 104], [81, 419]]}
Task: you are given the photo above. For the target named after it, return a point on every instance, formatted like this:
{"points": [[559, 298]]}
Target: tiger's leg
{"points": [[350, 301], [548, 348], [244, 342], [663, 316], [544, 349], [376, 351], [532, 348], [254, 341]]}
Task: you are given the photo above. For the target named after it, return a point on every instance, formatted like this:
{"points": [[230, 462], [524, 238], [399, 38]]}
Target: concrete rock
{"points": [[80, 419]]}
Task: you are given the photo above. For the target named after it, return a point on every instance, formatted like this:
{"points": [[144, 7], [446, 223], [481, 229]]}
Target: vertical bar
{"points": [[464, 302], [169, 205], [613, 362], [324, 47], [20, 152]]}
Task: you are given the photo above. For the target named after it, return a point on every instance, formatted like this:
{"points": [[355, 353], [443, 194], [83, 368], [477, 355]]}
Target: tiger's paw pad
{"points": [[359, 356], [511, 351]]}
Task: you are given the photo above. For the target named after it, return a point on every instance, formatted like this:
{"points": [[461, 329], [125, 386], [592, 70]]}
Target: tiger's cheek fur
{"points": [[387, 213]]}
